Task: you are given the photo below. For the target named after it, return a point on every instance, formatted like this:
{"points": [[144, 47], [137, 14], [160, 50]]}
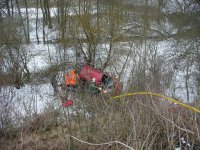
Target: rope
{"points": [[158, 95], [108, 143], [133, 94]]}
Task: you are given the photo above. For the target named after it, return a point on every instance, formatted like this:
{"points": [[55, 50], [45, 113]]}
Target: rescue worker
{"points": [[71, 79], [93, 87]]}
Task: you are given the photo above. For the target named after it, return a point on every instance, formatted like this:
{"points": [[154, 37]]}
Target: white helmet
{"points": [[93, 80]]}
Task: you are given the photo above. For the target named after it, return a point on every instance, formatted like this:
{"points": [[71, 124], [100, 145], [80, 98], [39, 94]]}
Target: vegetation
{"points": [[150, 45]]}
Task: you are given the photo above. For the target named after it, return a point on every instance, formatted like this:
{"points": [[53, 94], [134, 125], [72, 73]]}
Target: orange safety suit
{"points": [[71, 78]]}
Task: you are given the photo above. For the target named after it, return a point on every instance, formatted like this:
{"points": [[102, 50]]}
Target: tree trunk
{"points": [[186, 80], [27, 22], [36, 22], [43, 23], [23, 26], [8, 7]]}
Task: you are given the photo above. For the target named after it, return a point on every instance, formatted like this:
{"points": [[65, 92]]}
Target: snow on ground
{"points": [[34, 12], [27, 101], [32, 99], [44, 53], [180, 86]]}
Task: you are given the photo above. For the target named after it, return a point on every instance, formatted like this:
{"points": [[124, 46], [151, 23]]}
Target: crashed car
{"points": [[109, 84]]}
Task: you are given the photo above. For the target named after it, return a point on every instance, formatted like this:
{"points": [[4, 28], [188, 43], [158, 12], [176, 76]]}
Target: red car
{"points": [[113, 86]]}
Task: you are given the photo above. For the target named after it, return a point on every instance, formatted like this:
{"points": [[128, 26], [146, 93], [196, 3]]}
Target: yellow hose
{"points": [[158, 95]]}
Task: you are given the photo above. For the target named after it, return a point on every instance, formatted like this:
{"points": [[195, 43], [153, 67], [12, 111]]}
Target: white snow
{"points": [[32, 99], [41, 58], [42, 54]]}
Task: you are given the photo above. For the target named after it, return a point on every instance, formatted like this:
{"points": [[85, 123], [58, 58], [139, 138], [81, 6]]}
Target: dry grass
{"points": [[141, 122]]}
